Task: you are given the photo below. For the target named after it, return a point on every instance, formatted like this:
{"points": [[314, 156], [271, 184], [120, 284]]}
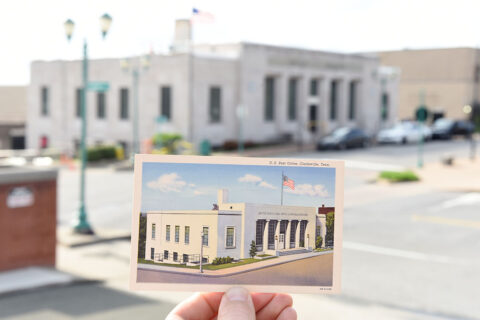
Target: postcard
{"points": [[209, 223]]}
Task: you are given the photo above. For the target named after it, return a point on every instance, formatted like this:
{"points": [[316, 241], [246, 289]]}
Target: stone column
{"points": [[277, 233], [265, 235], [287, 234]]}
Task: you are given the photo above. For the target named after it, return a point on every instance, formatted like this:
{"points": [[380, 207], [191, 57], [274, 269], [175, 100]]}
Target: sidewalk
{"points": [[235, 270], [462, 176]]}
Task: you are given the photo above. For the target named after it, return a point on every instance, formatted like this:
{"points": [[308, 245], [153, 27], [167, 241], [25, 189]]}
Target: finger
{"points": [[236, 304], [200, 306], [260, 300], [273, 309], [288, 314]]}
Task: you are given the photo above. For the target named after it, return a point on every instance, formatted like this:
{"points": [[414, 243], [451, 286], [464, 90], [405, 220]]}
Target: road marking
{"points": [[372, 166], [448, 221], [463, 200], [412, 255]]}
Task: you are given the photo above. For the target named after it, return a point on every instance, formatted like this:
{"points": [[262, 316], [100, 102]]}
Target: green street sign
{"points": [[421, 114], [98, 86]]}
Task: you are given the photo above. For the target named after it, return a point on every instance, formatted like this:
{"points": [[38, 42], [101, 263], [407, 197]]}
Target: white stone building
{"points": [[175, 236], [254, 92]]}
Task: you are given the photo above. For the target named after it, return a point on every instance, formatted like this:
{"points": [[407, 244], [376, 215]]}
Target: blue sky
{"points": [[33, 30], [177, 186]]}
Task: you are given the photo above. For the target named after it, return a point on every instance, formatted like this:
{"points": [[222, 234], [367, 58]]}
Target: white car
{"points": [[404, 132]]}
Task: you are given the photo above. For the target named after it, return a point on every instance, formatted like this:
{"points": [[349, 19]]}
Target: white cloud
{"points": [[170, 182], [198, 192], [266, 185], [250, 178], [317, 190]]}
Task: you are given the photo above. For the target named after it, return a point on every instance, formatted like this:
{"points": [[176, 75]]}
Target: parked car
{"points": [[343, 138], [447, 128], [403, 132]]}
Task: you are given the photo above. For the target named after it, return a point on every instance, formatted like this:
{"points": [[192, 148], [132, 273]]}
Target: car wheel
{"points": [[404, 140], [342, 146], [365, 144]]}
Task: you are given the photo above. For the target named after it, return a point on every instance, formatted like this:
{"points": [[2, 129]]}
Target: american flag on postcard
{"points": [[202, 16], [288, 182]]}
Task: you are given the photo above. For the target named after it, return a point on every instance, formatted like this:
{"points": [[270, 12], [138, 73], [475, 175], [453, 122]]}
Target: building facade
{"points": [[229, 229], [253, 92], [13, 115], [448, 79]]}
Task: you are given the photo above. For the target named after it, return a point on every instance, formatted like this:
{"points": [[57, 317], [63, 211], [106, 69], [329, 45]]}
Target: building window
{"points": [[269, 98], [352, 96], [101, 105], [153, 230], [187, 234], [314, 87], [177, 234], [165, 254], [272, 225], [259, 234], [167, 233], [166, 102], [78, 102], [385, 106], [292, 99], [175, 256], [205, 236], [318, 232], [123, 103], [230, 237], [333, 99], [45, 101], [185, 258], [152, 253], [293, 232], [215, 103]]}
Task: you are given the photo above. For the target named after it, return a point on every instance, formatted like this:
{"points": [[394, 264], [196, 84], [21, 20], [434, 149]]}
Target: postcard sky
{"points": [[177, 186]]}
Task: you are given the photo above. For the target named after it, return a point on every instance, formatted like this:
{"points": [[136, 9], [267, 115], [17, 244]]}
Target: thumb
{"points": [[236, 304]]}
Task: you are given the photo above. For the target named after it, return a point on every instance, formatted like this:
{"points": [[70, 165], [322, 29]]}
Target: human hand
{"points": [[235, 304]]}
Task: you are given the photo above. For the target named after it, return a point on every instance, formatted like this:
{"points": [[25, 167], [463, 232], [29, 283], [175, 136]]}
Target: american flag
{"points": [[202, 16], [288, 182]]}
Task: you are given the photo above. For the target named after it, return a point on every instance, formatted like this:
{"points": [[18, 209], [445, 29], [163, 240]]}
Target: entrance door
{"points": [[312, 118], [281, 241]]}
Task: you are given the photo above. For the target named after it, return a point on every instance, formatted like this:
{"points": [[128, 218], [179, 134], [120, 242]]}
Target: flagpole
{"points": [[281, 187]]}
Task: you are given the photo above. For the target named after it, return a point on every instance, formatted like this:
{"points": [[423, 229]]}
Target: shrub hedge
{"points": [[222, 260]]}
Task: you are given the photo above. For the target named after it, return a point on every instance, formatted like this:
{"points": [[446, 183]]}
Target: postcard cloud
{"points": [[317, 190], [256, 180], [170, 182]]}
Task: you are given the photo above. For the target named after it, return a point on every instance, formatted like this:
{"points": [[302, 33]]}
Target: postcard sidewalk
{"points": [[235, 270]]}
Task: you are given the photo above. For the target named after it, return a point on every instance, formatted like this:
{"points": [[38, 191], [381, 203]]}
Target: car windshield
{"points": [[442, 123], [340, 132]]}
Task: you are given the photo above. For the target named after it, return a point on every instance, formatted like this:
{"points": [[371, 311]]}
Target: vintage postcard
{"points": [[209, 223]]}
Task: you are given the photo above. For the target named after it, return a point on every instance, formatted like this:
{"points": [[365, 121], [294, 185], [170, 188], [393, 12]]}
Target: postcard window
{"points": [[152, 253], [230, 237], [177, 234], [187, 234], [205, 236], [167, 233], [165, 254], [175, 256], [153, 230]]}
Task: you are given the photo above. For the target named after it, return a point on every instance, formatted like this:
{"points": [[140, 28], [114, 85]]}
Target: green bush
{"points": [[166, 140], [399, 176], [253, 249], [100, 153], [222, 260], [319, 242]]}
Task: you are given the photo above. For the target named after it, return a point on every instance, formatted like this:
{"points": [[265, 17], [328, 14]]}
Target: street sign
{"points": [[421, 114], [98, 86]]}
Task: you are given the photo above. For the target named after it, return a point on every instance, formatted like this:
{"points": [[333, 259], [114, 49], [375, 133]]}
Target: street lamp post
{"points": [[82, 225], [135, 68], [201, 251]]}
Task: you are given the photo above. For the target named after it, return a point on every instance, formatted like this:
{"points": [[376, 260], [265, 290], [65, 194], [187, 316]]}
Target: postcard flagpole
{"points": [[281, 187]]}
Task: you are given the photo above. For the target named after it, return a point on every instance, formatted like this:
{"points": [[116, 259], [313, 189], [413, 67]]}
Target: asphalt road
{"points": [[316, 271], [404, 247]]}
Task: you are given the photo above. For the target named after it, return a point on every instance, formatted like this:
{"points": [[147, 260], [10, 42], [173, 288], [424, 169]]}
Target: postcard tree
{"points": [[330, 228], [253, 249]]}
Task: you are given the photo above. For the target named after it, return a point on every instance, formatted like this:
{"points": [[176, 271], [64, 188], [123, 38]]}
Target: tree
{"points": [[142, 236], [330, 228], [253, 249], [318, 242]]}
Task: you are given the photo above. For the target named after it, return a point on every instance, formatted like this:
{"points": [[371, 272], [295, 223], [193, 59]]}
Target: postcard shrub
{"points": [[222, 260]]}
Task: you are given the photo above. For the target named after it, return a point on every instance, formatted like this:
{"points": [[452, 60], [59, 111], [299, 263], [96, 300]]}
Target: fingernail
{"points": [[237, 294]]}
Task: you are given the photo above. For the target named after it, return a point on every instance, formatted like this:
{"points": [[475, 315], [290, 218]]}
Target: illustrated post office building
{"points": [[229, 229]]}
